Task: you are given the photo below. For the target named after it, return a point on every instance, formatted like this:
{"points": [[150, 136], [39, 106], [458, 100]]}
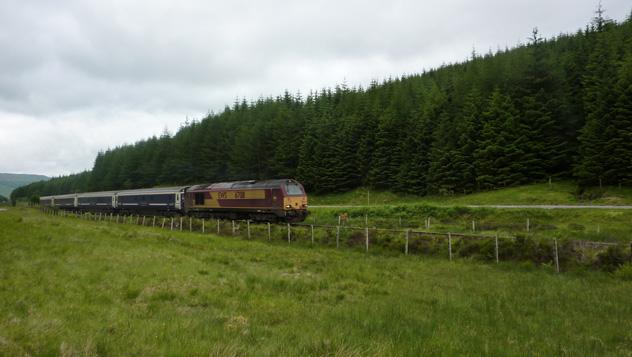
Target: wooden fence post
{"points": [[180, 223], [269, 232], [473, 225], [137, 218], [312, 234], [528, 224], [143, 221], [248, 227], [202, 225], [338, 236], [171, 223], [153, 222], [218, 226], [450, 245], [407, 240], [117, 218], [233, 227], [496, 249], [557, 259], [289, 233], [366, 230], [163, 222], [190, 224]]}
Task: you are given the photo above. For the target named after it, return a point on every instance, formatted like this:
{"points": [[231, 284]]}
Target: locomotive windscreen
{"points": [[293, 189]]}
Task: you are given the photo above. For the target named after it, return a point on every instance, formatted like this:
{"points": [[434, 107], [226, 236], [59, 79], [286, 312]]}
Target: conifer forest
{"points": [[551, 107]]}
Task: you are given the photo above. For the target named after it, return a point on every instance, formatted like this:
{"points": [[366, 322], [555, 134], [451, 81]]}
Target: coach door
{"points": [[178, 201]]}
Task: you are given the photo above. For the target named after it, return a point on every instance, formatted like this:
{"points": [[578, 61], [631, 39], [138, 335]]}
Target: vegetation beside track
{"points": [[451, 214], [69, 286]]}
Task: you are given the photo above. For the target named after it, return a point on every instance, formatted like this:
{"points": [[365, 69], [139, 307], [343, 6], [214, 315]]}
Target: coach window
{"points": [[199, 199]]}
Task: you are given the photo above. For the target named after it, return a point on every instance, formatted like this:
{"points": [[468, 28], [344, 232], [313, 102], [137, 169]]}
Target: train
{"points": [[280, 200]]}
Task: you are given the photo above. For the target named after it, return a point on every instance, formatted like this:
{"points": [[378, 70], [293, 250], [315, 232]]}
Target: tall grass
{"points": [[75, 287]]}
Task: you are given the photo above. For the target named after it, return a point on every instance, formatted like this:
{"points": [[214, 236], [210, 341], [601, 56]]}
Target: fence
{"points": [[405, 240]]}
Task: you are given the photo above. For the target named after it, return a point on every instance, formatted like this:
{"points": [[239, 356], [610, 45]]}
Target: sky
{"points": [[79, 77]]}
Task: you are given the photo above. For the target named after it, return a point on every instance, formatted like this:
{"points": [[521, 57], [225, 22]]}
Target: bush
{"points": [[624, 272], [611, 259]]}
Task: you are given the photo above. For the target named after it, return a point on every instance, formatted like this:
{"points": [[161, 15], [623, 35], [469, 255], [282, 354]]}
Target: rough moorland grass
{"points": [[560, 193], [585, 224], [70, 287]]}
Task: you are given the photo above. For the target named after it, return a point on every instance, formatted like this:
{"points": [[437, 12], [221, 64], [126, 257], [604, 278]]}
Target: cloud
{"points": [[81, 76]]}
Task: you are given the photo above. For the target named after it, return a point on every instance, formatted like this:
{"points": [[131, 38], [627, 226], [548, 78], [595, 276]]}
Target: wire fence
{"points": [[559, 254]]}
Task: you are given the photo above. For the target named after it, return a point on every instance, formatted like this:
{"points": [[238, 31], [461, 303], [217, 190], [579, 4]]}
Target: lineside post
{"points": [[366, 231], [450, 245], [163, 223], [248, 227], [338, 236], [557, 258], [190, 224], [143, 221], [218, 226], [289, 233], [153, 222], [202, 225], [171, 223], [407, 240], [269, 232], [496, 249], [233, 227], [312, 233]]}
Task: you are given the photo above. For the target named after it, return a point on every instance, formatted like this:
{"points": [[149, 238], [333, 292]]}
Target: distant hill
{"points": [[8, 182]]}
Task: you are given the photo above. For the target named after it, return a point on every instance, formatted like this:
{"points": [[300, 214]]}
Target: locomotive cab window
{"points": [[199, 199], [293, 189]]}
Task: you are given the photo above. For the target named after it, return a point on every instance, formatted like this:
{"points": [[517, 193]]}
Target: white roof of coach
{"points": [[152, 191], [70, 195], [97, 194]]}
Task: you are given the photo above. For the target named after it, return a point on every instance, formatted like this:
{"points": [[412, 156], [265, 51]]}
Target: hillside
{"points": [[558, 193], [558, 107], [8, 182], [73, 287]]}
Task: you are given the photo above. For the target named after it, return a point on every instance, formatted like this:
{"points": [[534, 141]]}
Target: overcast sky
{"points": [[77, 77]]}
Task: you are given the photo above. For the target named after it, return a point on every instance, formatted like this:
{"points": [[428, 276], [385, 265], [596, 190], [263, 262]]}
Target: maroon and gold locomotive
{"points": [[269, 200]]}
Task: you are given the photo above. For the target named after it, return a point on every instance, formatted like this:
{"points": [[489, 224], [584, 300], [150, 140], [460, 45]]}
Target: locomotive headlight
{"points": [[288, 206]]}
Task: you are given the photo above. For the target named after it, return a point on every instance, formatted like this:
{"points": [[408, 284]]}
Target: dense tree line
{"points": [[556, 107]]}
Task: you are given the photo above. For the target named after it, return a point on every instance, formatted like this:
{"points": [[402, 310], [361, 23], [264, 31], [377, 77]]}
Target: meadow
{"points": [[453, 214], [78, 287]]}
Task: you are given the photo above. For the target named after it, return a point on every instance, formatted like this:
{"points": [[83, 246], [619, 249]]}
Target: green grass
{"points": [[562, 193], [584, 224], [450, 214], [75, 287]]}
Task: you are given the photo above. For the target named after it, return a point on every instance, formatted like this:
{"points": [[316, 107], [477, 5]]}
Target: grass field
{"points": [[74, 287], [559, 193], [451, 214]]}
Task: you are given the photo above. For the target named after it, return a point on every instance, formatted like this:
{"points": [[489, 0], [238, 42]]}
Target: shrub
{"points": [[624, 272], [611, 259]]}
